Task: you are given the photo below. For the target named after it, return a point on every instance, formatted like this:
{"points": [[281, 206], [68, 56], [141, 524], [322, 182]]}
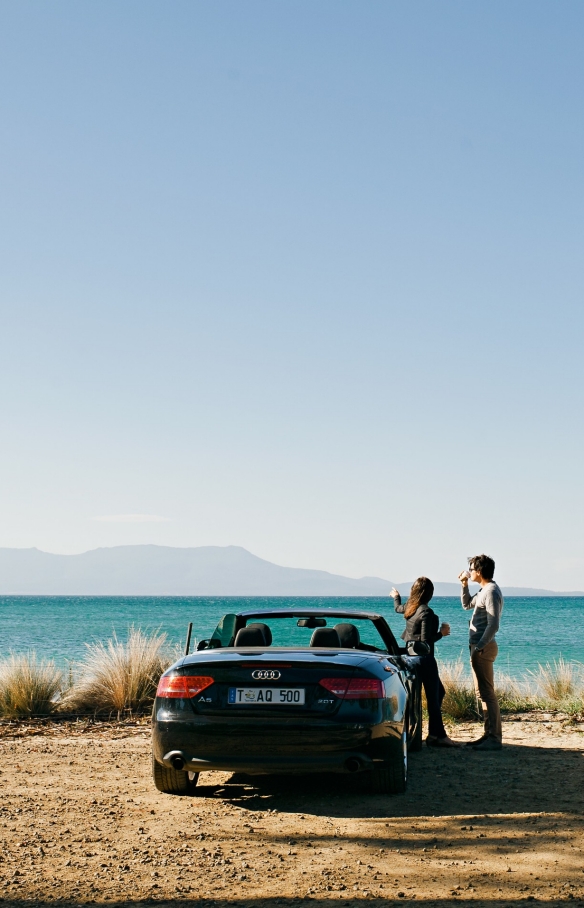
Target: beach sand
{"points": [[81, 821]]}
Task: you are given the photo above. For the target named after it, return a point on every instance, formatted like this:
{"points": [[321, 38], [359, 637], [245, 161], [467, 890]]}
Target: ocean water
{"points": [[533, 630]]}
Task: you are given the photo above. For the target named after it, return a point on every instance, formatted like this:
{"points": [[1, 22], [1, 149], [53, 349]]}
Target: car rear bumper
{"points": [[334, 747], [342, 762]]}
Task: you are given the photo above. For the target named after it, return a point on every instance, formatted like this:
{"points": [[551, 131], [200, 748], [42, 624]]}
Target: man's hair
{"points": [[484, 565]]}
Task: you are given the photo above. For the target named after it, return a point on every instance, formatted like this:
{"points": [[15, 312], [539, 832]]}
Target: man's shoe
{"points": [[475, 743], [488, 744]]}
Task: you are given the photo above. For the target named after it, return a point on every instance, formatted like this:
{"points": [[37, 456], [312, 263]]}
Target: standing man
{"points": [[487, 606]]}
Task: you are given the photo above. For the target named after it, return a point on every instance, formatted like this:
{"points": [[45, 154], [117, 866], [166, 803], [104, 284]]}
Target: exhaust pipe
{"points": [[353, 764], [175, 758]]}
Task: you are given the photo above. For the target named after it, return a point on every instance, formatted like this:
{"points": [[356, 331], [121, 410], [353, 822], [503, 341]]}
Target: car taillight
{"points": [[182, 685], [354, 689]]}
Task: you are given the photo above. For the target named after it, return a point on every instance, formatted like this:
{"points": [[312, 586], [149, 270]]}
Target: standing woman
{"points": [[422, 624]]}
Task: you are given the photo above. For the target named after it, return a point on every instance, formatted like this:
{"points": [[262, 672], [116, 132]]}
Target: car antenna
{"points": [[189, 632]]}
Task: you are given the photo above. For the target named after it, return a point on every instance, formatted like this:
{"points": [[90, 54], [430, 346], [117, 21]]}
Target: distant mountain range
{"points": [[153, 570]]}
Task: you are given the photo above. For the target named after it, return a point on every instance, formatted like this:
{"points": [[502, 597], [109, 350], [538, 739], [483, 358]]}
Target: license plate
{"points": [[266, 696]]}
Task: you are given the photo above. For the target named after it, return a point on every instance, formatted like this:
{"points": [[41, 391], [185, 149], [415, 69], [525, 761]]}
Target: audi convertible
{"points": [[285, 691]]}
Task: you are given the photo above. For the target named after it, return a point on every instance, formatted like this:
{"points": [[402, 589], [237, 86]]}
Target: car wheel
{"points": [[391, 776], [173, 781], [415, 718]]}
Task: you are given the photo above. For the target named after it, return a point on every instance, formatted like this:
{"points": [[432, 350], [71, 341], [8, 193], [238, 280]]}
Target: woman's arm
{"points": [[397, 601], [444, 631], [427, 625], [426, 633]]}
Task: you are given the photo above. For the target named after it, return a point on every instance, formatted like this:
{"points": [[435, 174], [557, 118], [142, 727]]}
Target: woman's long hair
{"points": [[420, 594]]}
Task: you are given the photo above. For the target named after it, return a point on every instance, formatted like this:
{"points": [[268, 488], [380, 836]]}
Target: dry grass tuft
{"points": [[460, 699], [516, 696], [117, 676], [28, 687], [551, 686], [557, 681]]}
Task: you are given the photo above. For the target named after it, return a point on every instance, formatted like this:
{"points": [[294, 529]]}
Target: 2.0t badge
{"points": [[266, 675]]}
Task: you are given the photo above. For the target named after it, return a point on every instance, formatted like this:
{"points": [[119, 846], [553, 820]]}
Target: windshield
{"points": [[224, 633], [292, 631]]}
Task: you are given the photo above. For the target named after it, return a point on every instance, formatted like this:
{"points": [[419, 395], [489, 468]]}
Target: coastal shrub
{"points": [[557, 681], [460, 699], [515, 696], [118, 676], [28, 686], [559, 686]]}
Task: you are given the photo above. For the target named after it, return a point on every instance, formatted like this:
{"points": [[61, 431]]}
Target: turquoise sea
{"points": [[534, 630]]}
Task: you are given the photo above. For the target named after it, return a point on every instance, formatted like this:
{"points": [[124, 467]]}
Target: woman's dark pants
{"points": [[427, 671]]}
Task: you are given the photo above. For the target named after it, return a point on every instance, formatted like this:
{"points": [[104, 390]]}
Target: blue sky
{"points": [[303, 277]]}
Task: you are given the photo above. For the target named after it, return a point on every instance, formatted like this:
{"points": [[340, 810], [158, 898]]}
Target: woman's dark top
{"points": [[422, 625]]}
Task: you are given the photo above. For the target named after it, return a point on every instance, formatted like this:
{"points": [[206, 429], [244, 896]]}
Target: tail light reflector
{"points": [[182, 685], [354, 688]]}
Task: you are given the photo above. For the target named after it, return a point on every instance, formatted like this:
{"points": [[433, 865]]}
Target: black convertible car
{"points": [[289, 690]]}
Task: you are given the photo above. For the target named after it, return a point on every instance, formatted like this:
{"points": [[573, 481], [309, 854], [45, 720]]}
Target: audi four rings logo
{"points": [[266, 675]]}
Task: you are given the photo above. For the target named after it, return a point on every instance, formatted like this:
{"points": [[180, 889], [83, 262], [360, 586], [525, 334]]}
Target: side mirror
{"points": [[417, 648], [202, 644]]}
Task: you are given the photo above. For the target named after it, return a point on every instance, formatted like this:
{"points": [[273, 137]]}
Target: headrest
{"points": [[325, 636], [348, 635], [250, 636], [265, 630]]}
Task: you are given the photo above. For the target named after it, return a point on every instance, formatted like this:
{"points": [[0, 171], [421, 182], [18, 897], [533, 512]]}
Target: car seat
{"points": [[325, 636], [250, 636], [265, 630], [348, 635]]}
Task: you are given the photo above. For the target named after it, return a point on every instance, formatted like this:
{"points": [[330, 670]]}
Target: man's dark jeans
{"points": [[427, 671]]}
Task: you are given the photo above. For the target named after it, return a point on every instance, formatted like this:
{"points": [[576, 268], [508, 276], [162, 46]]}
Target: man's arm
{"points": [[493, 608], [466, 599]]}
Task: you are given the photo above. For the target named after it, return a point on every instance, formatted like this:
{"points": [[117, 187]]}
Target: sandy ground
{"points": [[81, 821]]}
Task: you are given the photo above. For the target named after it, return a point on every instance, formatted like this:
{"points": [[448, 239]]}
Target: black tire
{"points": [[415, 718], [391, 776], [173, 781]]}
